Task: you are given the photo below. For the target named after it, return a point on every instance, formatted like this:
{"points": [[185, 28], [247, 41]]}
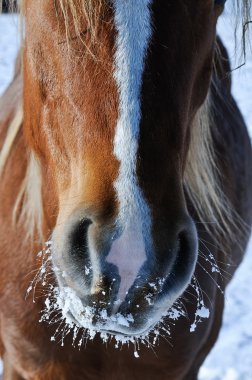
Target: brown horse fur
{"points": [[67, 83]]}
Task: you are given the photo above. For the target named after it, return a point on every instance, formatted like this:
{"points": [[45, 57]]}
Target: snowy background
{"points": [[231, 359]]}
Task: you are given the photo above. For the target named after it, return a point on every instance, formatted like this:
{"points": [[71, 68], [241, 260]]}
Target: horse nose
{"points": [[121, 271], [118, 262]]}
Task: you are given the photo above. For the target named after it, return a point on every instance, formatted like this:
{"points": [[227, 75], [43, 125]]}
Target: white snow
{"points": [[231, 358], [9, 42]]}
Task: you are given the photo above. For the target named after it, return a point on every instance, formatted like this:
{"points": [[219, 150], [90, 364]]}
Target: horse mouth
{"points": [[78, 314], [126, 335], [121, 331]]}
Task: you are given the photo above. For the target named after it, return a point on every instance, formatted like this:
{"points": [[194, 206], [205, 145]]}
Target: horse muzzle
{"points": [[112, 283]]}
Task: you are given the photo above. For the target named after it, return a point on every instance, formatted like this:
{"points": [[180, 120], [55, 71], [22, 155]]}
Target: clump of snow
{"points": [[136, 354]]}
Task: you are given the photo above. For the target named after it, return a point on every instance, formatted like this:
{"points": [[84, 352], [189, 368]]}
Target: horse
{"points": [[123, 149]]}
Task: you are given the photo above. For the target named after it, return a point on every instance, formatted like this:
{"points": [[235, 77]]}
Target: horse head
{"points": [[112, 90]]}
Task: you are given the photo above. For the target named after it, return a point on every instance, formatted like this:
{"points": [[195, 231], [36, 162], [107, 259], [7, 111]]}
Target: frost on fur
{"points": [[62, 302]]}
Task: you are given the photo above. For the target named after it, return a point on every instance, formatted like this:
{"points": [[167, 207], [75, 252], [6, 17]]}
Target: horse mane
{"points": [[202, 182]]}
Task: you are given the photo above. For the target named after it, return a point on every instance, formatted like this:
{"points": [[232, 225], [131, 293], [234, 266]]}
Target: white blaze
{"points": [[129, 252]]}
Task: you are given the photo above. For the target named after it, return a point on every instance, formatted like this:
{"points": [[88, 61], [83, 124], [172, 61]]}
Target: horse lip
{"points": [[127, 333], [130, 334]]}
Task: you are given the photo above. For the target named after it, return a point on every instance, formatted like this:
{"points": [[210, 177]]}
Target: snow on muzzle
{"points": [[108, 279]]}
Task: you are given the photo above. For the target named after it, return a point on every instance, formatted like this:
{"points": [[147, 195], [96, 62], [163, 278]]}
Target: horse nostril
{"points": [[79, 234], [185, 257], [184, 243], [78, 238], [186, 251]]}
